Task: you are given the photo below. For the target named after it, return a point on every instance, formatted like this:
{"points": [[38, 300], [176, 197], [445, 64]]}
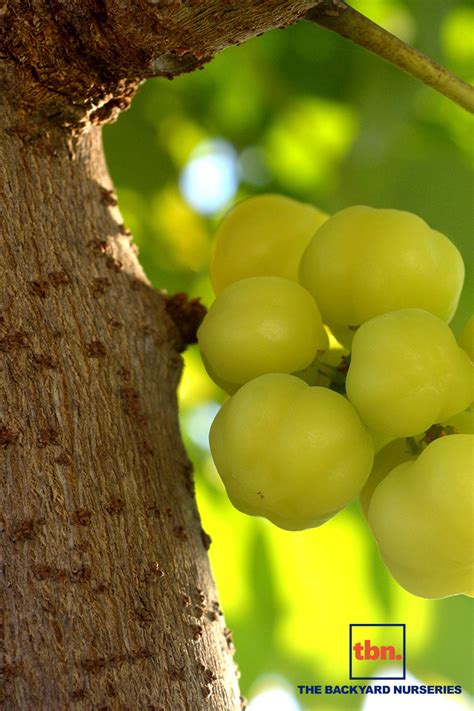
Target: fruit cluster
{"points": [[296, 440]]}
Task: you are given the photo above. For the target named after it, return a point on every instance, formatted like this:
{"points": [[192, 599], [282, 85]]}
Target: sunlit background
{"points": [[304, 113]]}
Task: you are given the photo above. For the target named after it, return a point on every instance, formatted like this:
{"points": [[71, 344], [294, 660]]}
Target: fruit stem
{"points": [[339, 17]]}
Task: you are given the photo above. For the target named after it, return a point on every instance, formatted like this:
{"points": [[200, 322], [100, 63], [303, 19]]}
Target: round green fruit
{"points": [[264, 235], [466, 339], [260, 325], [363, 262], [292, 453], [407, 373], [421, 515]]}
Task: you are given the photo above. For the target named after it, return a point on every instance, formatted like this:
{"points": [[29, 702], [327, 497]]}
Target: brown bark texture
{"points": [[106, 596], [81, 60]]}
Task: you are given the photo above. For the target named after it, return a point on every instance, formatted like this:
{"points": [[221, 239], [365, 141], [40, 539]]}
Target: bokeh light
{"points": [[272, 693], [210, 178], [198, 421]]}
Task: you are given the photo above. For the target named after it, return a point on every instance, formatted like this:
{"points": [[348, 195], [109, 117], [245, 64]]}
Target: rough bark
{"points": [[107, 600], [107, 596], [81, 60]]}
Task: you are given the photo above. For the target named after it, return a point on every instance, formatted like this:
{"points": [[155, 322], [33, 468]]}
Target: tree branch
{"points": [[80, 62], [339, 17]]}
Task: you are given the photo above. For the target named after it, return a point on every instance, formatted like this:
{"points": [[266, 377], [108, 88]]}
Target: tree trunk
{"points": [[107, 600]]}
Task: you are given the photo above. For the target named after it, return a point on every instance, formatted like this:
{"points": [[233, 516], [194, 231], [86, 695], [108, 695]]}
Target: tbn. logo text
{"points": [[377, 651]]}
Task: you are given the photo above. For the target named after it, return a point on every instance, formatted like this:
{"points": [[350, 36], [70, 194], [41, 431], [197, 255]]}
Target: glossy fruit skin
{"points": [[264, 235], [389, 457], [403, 450], [421, 515], [407, 373], [292, 453], [466, 339], [229, 388], [260, 325], [363, 262]]}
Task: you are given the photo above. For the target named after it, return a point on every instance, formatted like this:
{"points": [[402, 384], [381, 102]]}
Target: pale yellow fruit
{"points": [[229, 388], [363, 262], [381, 440], [466, 339], [422, 517], [260, 325], [389, 457], [292, 453], [402, 450], [264, 235], [407, 373]]}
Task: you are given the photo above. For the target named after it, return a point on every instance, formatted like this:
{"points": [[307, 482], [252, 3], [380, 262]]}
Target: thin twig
{"points": [[339, 17]]}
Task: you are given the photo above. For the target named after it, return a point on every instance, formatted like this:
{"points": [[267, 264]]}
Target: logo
{"points": [[371, 646]]}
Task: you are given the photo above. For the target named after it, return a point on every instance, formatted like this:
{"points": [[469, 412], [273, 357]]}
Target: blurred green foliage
{"points": [[312, 116]]}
